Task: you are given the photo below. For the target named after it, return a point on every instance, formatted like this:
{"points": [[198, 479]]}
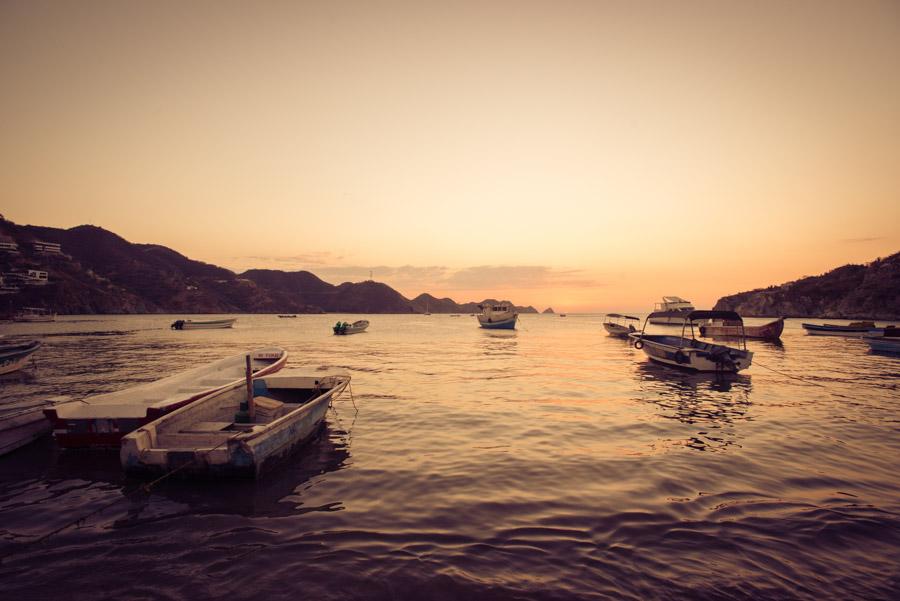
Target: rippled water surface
{"points": [[552, 462]]}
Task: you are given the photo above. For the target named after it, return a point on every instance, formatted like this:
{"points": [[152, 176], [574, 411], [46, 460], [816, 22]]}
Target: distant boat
{"points": [[38, 314], [502, 316], [671, 311], [287, 316], [13, 357], [887, 342], [23, 423], [454, 315], [343, 328], [857, 328], [211, 324], [102, 420], [225, 435], [619, 325], [562, 314], [726, 328], [693, 354]]}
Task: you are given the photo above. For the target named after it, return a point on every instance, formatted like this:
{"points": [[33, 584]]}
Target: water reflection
{"points": [[714, 403]]}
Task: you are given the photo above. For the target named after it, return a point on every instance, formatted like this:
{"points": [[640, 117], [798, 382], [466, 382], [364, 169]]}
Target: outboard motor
{"points": [[722, 358]]}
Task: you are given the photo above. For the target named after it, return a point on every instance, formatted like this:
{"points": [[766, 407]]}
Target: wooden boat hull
{"points": [[835, 330], [506, 324], [883, 344], [216, 324], [172, 443], [619, 331], [693, 355], [767, 331], [101, 421], [22, 427], [15, 357]]}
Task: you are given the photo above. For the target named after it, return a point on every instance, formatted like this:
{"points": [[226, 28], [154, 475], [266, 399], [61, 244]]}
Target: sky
{"points": [[587, 156]]}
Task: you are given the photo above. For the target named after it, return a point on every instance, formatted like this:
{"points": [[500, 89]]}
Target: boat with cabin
{"points": [[208, 324], [13, 357], [620, 325], [240, 431], [102, 420], [856, 328], [342, 328], [887, 342], [725, 328], [34, 314], [671, 311], [501, 316], [693, 354]]}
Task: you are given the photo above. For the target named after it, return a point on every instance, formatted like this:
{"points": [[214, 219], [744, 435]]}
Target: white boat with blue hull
{"points": [[619, 325], [671, 311], [692, 354], [887, 341], [501, 316], [14, 357], [227, 435]]}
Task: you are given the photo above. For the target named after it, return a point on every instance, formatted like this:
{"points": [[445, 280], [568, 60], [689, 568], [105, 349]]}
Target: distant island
{"points": [[89, 270], [548, 311], [870, 291]]}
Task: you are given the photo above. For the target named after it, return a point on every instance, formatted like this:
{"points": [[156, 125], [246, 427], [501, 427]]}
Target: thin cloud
{"points": [[861, 240]]}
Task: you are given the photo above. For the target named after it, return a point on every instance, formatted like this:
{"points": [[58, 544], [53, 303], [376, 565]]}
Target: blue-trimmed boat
{"points": [[501, 316], [857, 328], [14, 356], [692, 354]]}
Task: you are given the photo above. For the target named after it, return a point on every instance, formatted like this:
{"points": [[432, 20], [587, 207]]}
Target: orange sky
{"points": [[585, 155]]}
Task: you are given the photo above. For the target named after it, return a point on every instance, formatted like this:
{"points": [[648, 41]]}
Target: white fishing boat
{"points": [[342, 328], [240, 431], [209, 324], [101, 420], [501, 316], [35, 314], [620, 325], [888, 341], [724, 328], [22, 423], [13, 357], [671, 311], [692, 354]]}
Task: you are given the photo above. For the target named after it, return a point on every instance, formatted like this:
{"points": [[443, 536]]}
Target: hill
{"points": [[870, 291], [97, 271]]}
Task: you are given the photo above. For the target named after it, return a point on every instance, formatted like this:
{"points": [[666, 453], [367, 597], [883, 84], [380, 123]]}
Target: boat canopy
{"points": [[620, 315], [695, 315]]}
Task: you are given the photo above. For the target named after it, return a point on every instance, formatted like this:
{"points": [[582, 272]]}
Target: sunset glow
{"points": [[580, 155]]}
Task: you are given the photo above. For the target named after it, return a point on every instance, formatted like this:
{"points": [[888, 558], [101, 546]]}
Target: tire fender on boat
{"points": [[638, 344], [680, 357]]}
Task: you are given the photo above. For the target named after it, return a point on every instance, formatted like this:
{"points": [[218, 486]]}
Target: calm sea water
{"points": [[552, 462]]}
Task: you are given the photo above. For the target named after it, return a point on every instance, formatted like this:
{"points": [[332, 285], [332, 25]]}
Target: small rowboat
{"points": [[225, 435], [13, 357], [342, 328], [211, 324], [857, 328], [102, 420], [887, 342], [726, 328], [692, 354], [287, 316], [618, 325]]}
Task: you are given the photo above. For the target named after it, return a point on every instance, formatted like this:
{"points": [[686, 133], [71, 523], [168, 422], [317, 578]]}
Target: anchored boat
{"points": [[102, 420], [240, 431], [501, 316], [210, 324], [23, 423], [857, 328], [693, 354], [671, 311], [37, 314], [620, 325], [13, 357], [342, 328], [887, 342], [726, 328]]}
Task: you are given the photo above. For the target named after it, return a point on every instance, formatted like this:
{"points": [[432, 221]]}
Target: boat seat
{"points": [[204, 427], [268, 409]]}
